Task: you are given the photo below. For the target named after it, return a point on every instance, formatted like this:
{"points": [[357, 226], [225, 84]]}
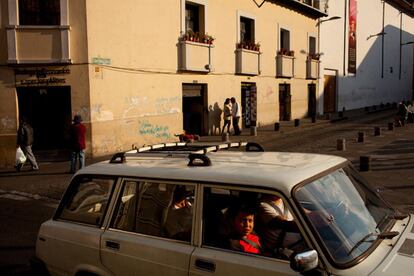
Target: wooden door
{"points": [[329, 94]]}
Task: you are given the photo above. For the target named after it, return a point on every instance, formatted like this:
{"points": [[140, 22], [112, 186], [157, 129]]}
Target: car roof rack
{"points": [[196, 152]]}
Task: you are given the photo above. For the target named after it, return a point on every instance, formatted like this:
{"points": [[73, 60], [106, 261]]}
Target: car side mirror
{"points": [[304, 261]]}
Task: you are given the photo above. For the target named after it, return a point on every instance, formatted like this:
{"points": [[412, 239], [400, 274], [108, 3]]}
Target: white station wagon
{"points": [[227, 209]]}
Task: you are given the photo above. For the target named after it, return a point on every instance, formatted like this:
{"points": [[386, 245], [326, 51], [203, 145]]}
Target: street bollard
{"points": [[225, 137], [377, 131], [313, 118], [361, 137], [391, 126], [253, 130], [297, 122], [341, 144], [340, 114], [364, 163], [277, 126]]}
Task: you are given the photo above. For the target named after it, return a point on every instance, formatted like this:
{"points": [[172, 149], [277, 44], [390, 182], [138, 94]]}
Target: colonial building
{"points": [[140, 72], [367, 54]]}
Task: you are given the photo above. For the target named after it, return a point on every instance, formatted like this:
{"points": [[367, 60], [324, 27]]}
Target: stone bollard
{"points": [[253, 130], [225, 137], [297, 122], [341, 144], [277, 126], [377, 131], [390, 126], [361, 137], [364, 163]]}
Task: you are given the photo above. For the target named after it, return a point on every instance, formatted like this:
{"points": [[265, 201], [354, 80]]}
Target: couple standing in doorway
{"points": [[231, 112]]}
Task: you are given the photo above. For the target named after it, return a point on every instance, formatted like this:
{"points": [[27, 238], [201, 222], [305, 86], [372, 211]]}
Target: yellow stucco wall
{"points": [[125, 79], [138, 95]]}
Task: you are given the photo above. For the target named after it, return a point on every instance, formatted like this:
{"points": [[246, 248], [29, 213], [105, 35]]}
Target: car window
{"points": [[346, 214], [250, 222], [86, 200], [156, 209]]}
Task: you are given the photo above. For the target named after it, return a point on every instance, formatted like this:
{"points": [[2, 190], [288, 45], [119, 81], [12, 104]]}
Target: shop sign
{"points": [[40, 76]]}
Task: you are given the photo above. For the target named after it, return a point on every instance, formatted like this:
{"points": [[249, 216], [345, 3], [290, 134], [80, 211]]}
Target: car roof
{"points": [[274, 170]]}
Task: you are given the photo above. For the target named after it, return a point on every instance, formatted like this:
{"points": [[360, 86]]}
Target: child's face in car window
{"points": [[244, 223]]}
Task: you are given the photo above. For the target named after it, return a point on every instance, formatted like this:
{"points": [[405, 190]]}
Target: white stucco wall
{"points": [[377, 80]]}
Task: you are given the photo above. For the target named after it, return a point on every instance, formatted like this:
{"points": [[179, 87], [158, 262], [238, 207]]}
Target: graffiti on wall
{"points": [[142, 106], [269, 92], [154, 130], [7, 123], [167, 105], [98, 114], [135, 103]]}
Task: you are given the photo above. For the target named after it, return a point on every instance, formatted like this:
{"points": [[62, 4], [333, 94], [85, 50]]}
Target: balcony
{"points": [[312, 3], [247, 62], [38, 44], [285, 66], [314, 8], [195, 56], [312, 69]]}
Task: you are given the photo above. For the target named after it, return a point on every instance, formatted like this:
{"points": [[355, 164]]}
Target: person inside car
{"points": [[180, 214], [276, 225], [242, 237]]}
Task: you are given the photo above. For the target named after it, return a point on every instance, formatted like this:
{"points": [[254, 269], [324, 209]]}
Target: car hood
{"points": [[400, 260]]}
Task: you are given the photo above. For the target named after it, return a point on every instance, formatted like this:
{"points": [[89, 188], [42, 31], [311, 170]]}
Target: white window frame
{"points": [[240, 14], [316, 43], [13, 26], [197, 2], [279, 36]]}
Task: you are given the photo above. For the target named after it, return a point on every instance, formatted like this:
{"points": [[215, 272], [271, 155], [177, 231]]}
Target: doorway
{"points": [[249, 104], [311, 100], [48, 110], [195, 116], [329, 94], [284, 102]]}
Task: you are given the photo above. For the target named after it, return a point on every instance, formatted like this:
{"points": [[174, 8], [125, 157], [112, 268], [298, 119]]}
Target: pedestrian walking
{"points": [[236, 114], [25, 142], [401, 116], [77, 143], [227, 115], [410, 110]]}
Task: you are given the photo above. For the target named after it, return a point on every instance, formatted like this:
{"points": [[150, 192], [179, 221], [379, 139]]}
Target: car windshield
{"points": [[345, 213]]}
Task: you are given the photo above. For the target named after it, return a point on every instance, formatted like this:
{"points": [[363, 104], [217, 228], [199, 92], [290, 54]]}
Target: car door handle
{"points": [[205, 265], [112, 245]]}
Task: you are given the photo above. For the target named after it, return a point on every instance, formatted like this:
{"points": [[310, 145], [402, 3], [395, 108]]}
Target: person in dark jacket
{"points": [[77, 143], [25, 142]]}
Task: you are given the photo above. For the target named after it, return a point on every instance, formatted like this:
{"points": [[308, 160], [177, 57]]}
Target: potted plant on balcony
{"points": [[315, 56], [248, 45], [286, 52], [197, 37]]}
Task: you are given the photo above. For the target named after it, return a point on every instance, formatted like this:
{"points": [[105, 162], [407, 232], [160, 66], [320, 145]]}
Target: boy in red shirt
{"points": [[243, 238]]}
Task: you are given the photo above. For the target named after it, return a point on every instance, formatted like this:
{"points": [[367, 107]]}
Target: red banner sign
{"points": [[352, 36]]}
